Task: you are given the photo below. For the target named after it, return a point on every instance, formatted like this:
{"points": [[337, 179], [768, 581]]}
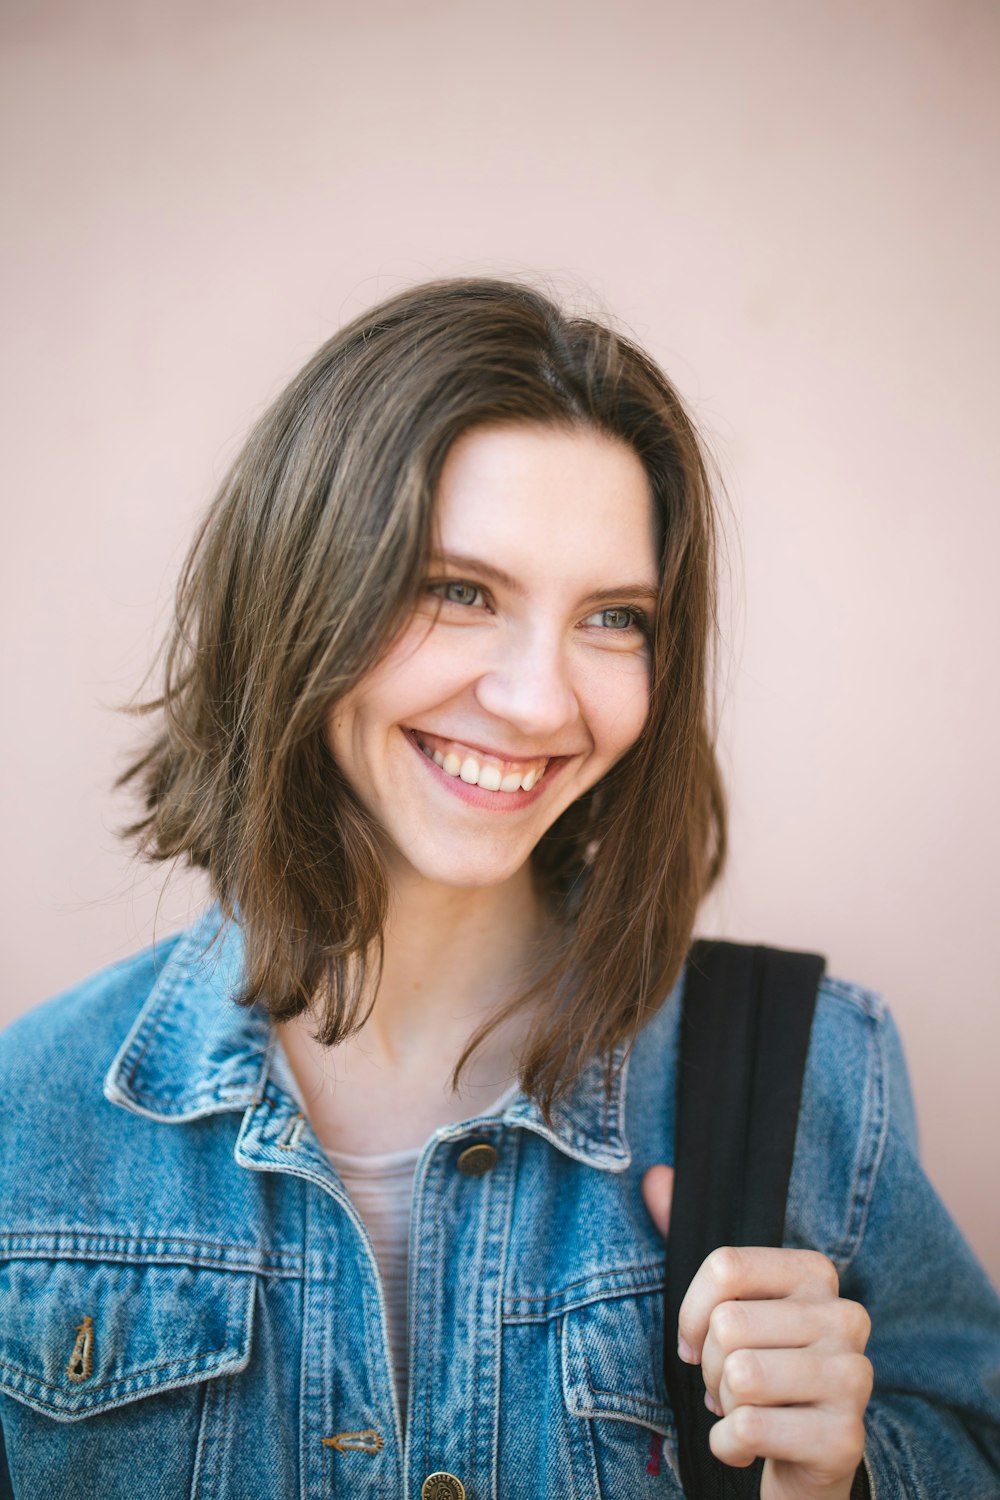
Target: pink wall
{"points": [[793, 205]]}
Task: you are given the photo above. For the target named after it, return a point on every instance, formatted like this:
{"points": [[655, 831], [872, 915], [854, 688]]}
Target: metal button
{"points": [[477, 1159], [442, 1486]]}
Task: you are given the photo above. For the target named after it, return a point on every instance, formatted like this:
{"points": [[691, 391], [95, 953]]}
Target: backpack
{"points": [[745, 1032]]}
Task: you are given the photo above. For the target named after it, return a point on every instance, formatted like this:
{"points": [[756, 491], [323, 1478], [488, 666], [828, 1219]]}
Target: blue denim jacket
{"points": [[190, 1306]]}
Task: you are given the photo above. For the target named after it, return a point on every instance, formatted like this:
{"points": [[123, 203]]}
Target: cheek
{"points": [[420, 671], [619, 708], [374, 704]]}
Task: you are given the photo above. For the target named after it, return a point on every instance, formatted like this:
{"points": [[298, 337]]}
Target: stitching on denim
{"points": [[184, 1262], [374, 1319], [201, 1456], [654, 1271], [580, 1139], [305, 1464], [872, 1144], [146, 1239], [226, 1385], [22, 1245], [81, 1361], [416, 1263], [292, 1133], [660, 1417], [870, 1002], [121, 1379], [429, 1361], [574, 1304], [236, 1094], [220, 1447], [365, 1441], [597, 1276], [513, 1162], [579, 1434], [168, 988], [486, 1192], [264, 1075], [596, 1390], [26, 1380]]}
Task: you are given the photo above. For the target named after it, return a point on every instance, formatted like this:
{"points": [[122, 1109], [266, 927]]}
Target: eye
{"points": [[619, 619], [457, 591]]}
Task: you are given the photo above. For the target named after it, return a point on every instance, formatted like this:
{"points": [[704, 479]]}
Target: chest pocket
{"points": [[613, 1387], [80, 1337], [107, 1369]]}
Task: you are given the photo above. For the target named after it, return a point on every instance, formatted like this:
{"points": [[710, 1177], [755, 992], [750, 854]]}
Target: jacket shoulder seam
{"points": [[868, 1008], [856, 996]]}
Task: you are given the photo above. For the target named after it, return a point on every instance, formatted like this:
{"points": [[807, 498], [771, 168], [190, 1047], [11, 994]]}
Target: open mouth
{"points": [[476, 768]]}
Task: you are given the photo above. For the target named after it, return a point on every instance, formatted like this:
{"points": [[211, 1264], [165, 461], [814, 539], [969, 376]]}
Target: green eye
{"points": [[458, 592], [618, 619]]}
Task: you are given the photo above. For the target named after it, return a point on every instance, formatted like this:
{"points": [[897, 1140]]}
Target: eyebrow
{"points": [[639, 593]]}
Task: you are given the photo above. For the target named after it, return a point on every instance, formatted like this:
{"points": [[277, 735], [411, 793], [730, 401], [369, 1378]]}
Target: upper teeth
{"points": [[487, 771]]}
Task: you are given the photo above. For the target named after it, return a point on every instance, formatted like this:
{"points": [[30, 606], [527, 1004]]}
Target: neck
{"points": [[452, 956]]}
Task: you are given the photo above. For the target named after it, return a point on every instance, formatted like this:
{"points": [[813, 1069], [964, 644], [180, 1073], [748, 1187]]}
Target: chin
{"points": [[466, 871]]}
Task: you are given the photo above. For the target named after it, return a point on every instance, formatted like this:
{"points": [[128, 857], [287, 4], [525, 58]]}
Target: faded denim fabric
{"points": [[189, 1304]]}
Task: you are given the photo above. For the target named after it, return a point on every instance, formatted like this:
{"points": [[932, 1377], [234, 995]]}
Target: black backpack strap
{"points": [[744, 1037]]}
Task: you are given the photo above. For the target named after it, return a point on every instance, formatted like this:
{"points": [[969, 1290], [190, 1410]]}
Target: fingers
{"points": [[658, 1192], [794, 1377], [828, 1446], [750, 1273], [782, 1355], [829, 1327]]}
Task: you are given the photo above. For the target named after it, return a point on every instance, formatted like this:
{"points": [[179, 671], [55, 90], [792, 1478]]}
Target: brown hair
{"points": [[301, 574]]}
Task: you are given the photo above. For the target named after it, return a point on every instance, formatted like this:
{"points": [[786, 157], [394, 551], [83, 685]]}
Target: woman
{"points": [[361, 1185]]}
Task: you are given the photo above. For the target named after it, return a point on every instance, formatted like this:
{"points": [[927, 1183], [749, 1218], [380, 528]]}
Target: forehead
{"points": [[533, 499]]}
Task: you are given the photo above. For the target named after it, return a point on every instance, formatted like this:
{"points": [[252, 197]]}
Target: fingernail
{"points": [[712, 1404], [685, 1351]]}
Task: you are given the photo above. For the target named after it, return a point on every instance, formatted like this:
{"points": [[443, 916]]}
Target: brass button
{"points": [[442, 1486], [477, 1159]]}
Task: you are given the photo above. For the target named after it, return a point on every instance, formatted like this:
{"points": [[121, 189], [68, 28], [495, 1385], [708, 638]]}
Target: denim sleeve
{"points": [[933, 1423]]}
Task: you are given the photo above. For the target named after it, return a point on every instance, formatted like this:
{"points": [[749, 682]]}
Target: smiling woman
{"points": [[318, 613], [374, 1192]]}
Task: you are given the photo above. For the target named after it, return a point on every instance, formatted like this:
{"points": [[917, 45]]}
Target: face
{"points": [[523, 673]]}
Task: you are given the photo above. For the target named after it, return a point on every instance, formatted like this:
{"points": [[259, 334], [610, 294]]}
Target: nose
{"points": [[528, 684]]}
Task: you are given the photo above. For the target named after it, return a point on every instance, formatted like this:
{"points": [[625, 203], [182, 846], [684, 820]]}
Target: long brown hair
{"points": [[302, 573]]}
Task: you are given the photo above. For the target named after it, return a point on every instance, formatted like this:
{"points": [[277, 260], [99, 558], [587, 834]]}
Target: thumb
{"points": [[657, 1192]]}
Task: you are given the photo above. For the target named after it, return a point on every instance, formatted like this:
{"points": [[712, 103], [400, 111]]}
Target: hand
{"points": [[782, 1355]]}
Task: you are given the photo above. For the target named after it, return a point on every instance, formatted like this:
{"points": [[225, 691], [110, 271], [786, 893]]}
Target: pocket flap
{"points": [[79, 1337], [612, 1358]]}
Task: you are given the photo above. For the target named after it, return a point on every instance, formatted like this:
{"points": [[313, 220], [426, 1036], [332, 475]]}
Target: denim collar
{"points": [[194, 1052]]}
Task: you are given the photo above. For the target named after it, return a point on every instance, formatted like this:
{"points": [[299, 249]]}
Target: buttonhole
{"points": [[81, 1361]]}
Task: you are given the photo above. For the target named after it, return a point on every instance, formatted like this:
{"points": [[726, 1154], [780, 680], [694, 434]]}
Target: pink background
{"points": [[793, 205]]}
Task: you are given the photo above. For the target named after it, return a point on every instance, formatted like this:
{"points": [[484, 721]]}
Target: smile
{"points": [[477, 768]]}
